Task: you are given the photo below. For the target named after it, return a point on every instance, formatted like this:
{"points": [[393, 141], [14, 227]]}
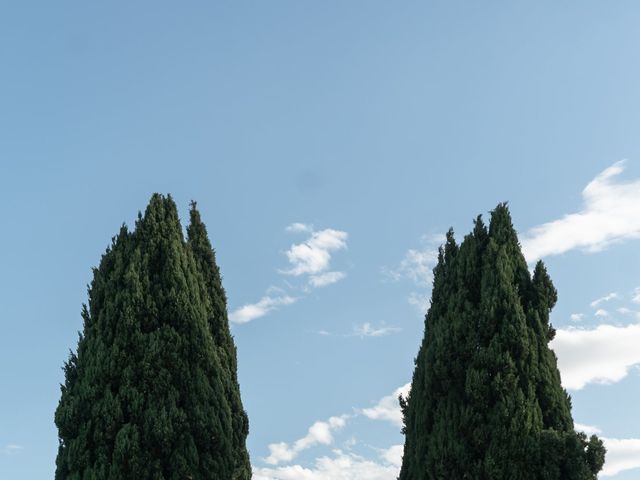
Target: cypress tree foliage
{"points": [[146, 394], [486, 400], [216, 302]]}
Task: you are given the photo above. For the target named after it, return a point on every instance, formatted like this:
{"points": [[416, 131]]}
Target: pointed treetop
{"points": [[479, 228], [544, 286], [500, 227]]}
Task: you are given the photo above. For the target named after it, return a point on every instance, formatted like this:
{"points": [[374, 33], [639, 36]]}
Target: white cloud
{"points": [[318, 433], [393, 455], [576, 317], [610, 214], [606, 298], [588, 429], [601, 312], [603, 355], [266, 304], [313, 255], [622, 454], [341, 466], [11, 449], [327, 278], [366, 330], [388, 408]]}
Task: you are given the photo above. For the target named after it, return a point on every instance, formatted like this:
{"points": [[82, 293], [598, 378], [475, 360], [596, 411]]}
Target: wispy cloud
{"points": [[576, 317], [388, 408], [324, 279], [603, 355], [606, 298], [366, 330], [417, 266], [610, 214], [266, 304], [299, 228], [636, 295], [11, 449], [318, 433]]}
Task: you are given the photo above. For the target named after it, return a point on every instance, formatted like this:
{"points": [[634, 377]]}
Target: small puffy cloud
{"points": [[324, 279], [576, 317], [314, 254], [601, 355], [366, 330], [606, 298], [622, 454], [388, 408], [601, 312], [266, 304], [318, 433], [609, 215], [340, 466]]}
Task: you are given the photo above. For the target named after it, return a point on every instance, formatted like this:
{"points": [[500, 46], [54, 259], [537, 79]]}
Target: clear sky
{"points": [[329, 145]]}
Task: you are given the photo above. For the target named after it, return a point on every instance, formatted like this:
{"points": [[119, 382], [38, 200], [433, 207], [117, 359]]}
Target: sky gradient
{"points": [[329, 146]]}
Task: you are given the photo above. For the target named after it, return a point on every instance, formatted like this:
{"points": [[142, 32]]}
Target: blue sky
{"points": [[329, 145]]}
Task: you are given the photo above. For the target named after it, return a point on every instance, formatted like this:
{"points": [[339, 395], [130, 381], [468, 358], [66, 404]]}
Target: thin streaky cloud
{"points": [[12, 449], [609, 215], [606, 298], [266, 304], [299, 228], [327, 278], [367, 330]]}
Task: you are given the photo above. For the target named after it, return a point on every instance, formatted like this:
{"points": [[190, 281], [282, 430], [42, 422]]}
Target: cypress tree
{"points": [[486, 400], [146, 394], [216, 303]]}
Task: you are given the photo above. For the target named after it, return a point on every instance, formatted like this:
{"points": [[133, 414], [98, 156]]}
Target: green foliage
{"points": [[152, 391], [486, 400]]}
